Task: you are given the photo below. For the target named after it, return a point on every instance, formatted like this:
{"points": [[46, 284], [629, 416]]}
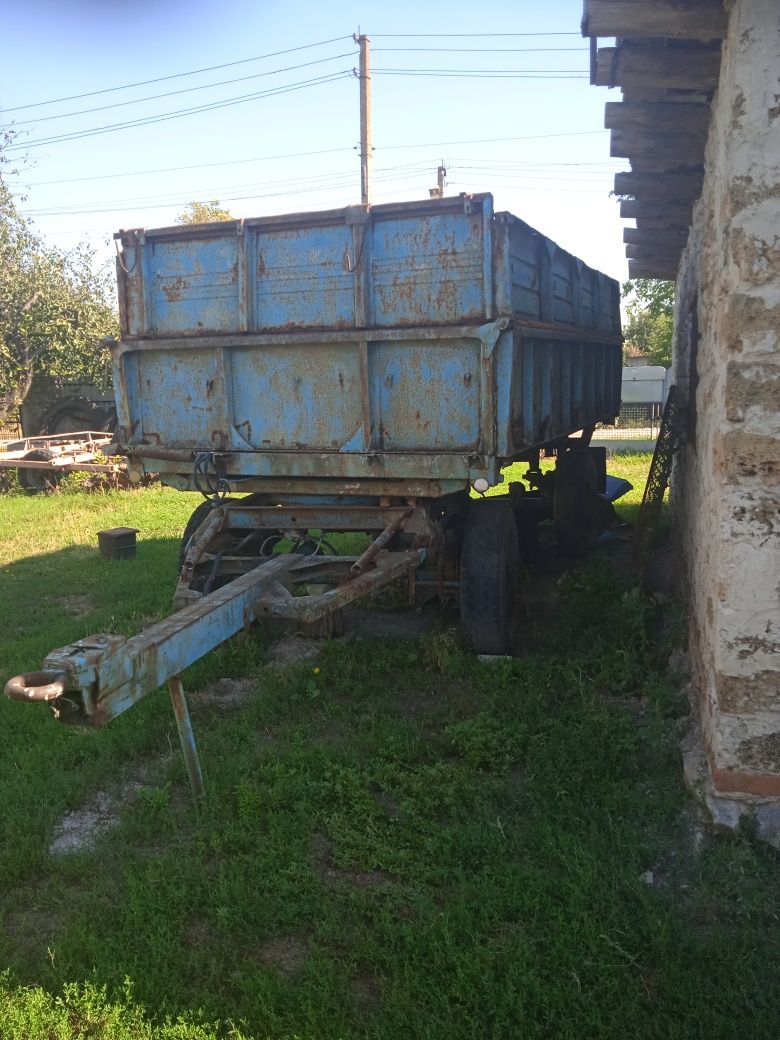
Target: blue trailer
{"points": [[360, 369]]}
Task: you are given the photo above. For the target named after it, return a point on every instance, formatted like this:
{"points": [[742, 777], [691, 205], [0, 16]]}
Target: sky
{"points": [[257, 105]]}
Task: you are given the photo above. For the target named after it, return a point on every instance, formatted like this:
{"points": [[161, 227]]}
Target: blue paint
{"points": [[361, 340]]}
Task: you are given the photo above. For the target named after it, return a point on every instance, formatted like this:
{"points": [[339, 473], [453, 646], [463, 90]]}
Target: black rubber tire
{"points": [[38, 480], [575, 502], [489, 574], [73, 414]]}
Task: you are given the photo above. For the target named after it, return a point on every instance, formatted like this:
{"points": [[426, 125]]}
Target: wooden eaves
{"points": [[665, 59]]}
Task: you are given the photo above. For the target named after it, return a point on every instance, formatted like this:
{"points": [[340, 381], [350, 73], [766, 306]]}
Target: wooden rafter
{"points": [[658, 117], [680, 187], [673, 214], [655, 66], [694, 20], [685, 148], [666, 60], [664, 237]]}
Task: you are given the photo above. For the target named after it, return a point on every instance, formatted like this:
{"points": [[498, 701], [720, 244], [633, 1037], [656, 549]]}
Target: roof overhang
{"points": [[666, 61]]}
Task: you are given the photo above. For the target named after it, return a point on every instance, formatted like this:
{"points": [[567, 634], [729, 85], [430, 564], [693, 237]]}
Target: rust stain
{"points": [[174, 288]]}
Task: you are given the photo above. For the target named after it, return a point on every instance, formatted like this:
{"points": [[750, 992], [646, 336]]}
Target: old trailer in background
{"points": [[363, 369]]}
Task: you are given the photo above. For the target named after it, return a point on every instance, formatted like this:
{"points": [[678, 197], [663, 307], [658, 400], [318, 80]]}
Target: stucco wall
{"points": [[726, 485]]}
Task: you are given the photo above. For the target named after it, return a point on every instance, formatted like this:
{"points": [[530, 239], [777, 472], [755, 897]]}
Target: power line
{"points": [[483, 50], [421, 166], [469, 35], [349, 181], [178, 75], [184, 90], [191, 166], [324, 151], [494, 140], [486, 73], [146, 120], [328, 182]]}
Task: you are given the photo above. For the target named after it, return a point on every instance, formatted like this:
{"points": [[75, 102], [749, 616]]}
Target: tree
{"points": [[203, 213], [650, 319], [54, 309]]}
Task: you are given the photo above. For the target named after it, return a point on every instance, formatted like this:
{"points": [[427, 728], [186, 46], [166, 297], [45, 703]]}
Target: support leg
{"points": [[186, 735]]}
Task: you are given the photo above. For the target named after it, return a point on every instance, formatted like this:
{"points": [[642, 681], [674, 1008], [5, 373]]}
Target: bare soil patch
{"points": [[294, 650], [81, 828], [224, 694], [75, 606], [34, 926], [286, 953], [198, 935], [367, 991]]}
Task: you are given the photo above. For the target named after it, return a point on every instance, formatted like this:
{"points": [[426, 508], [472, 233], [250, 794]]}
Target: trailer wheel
{"points": [[38, 480], [575, 503], [251, 548], [489, 572]]}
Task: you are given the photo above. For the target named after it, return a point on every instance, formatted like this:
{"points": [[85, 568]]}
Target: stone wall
{"points": [[726, 485]]}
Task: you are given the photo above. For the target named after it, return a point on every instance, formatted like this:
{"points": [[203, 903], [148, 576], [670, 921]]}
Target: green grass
{"points": [[403, 843]]}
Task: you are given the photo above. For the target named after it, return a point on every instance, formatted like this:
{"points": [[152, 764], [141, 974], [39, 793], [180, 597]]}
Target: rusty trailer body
{"points": [[362, 370], [405, 348]]}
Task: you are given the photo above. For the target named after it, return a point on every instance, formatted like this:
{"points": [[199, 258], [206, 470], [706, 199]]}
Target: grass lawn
{"points": [[396, 841]]}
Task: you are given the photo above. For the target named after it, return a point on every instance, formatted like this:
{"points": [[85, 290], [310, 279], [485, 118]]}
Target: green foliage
{"points": [[54, 309], [203, 213], [428, 848], [650, 320]]}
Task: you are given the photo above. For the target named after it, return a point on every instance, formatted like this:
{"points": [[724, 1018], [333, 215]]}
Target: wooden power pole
{"points": [[366, 148]]}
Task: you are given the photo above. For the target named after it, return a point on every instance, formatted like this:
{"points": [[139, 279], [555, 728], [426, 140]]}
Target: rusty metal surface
{"points": [[386, 266], [104, 675], [382, 540], [323, 515], [36, 686], [421, 342], [279, 602]]}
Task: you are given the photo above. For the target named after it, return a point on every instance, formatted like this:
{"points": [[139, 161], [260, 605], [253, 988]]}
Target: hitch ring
{"points": [[36, 686]]}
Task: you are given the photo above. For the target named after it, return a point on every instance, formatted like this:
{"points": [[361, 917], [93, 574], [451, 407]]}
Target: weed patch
{"points": [[396, 840]]}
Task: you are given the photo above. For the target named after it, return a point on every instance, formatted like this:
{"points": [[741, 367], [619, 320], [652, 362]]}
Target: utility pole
{"points": [[438, 191], [366, 148]]}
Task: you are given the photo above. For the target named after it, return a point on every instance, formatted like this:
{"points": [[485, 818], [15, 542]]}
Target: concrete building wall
{"points": [[726, 486]]}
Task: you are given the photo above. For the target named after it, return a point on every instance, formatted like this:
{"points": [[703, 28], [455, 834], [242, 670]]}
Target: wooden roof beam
{"points": [[666, 187], [671, 212], [672, 237], [654, 66], [658, 224], [654, 254], [645, 164], [664, 118], [684, 148], [694, 20]]}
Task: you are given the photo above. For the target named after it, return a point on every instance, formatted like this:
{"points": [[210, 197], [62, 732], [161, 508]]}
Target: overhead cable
{"points": [[146, 120], [184, 90], [179, 75]]}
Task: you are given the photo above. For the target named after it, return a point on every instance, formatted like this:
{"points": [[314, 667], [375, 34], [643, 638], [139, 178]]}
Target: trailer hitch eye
{"points": [[36, 686]]}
